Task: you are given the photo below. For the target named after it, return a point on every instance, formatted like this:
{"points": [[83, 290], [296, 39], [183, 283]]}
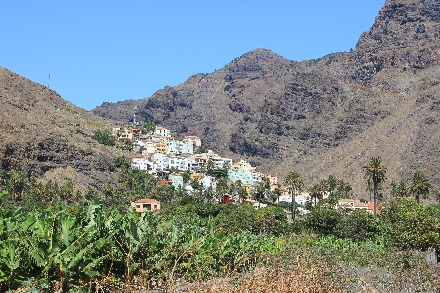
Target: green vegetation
{"points": [[375, 174], [149, 127], [294, 185], [53, 238], [103, 137]]}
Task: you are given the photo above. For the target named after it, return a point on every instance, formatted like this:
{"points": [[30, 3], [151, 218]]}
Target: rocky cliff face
{"points": [[42, 135], [402, 24], [323, 116]]}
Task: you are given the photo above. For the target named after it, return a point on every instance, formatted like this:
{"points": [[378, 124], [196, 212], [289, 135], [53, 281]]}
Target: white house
{"points": [[180, 147], [208, 181], [177, 180], [299, 198], [162, 131], [195, 140], [144, 164], [218, 161]]}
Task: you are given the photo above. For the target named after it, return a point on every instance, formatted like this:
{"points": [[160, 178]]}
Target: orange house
{"points": [[145, 204]]}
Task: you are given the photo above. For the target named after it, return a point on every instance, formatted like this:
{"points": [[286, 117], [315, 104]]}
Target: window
{"points": [[155, 207], [147, 206], [138, 206]]}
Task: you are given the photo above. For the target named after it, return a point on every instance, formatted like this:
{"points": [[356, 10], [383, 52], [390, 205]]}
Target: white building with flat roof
{"points": [[144, 164], [162, 131]]}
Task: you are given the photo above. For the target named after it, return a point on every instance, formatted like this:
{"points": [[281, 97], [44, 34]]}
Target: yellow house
{"points": [[161, 147]]}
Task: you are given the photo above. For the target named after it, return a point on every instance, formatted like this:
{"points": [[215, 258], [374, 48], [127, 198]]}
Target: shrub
{"points": [[103, 137], [187, 199], [206, 210], [412, 226], [237, 217], [274, 212], [359, 225], [123, 162], [323, 221]]}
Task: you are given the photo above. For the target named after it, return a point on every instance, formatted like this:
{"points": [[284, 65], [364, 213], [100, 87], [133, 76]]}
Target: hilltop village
{"points": [[182, 161]]}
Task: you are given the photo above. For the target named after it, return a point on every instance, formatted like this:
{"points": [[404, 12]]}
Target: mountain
{"points": [[48, 137], [323, 116]]}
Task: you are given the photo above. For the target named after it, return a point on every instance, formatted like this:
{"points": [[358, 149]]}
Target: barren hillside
{"points": [[48, 137]]}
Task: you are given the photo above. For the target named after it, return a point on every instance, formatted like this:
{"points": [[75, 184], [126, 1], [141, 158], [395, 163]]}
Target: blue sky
{"points": [[108, 51]]}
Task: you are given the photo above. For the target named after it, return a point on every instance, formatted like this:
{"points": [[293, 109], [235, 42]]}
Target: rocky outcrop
{"points": [[402, 24]]}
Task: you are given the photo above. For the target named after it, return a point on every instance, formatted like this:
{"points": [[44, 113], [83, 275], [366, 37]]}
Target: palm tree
{"points": [[344, 189], [222, 187], [278, 191], [295, 184], [261, 190], [375, 174], [331, 184], [419, 186], [315, 191], [402, 189], [273, 196], [239, 190], [209, 167], [393, 189]]}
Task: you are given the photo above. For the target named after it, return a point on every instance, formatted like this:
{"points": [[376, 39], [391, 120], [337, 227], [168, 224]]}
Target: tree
{"points": [[209, 167], [3, 178], [209, 194], [314, 192], [222, 187], [123, 162], [358, 225], [294, 184], [399, 190], [220, 173], [437, 196], [165, 193], [260, 191], [275, 194], [103, 137], [239, 190], [402, 189], [411, 225], [186, 176], [344, 189], [331, 184], [173, 170], [15, 184], [323, 221], [200, 150], [393, 189], [375, 173], [148, 127], [419, 186]]}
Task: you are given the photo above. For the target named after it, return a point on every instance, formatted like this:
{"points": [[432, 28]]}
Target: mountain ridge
{"points": [[322, 116], [47, 137]]}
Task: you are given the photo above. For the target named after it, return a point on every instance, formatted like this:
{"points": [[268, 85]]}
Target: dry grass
{"points": [[292, 275], [298, 277]]}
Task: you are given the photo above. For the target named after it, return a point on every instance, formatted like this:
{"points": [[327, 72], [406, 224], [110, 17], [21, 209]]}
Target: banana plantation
{"points": [[56, 239]]}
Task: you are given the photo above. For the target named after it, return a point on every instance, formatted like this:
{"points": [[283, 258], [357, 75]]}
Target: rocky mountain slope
{"points": [[48, 137], [323, 116]]}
